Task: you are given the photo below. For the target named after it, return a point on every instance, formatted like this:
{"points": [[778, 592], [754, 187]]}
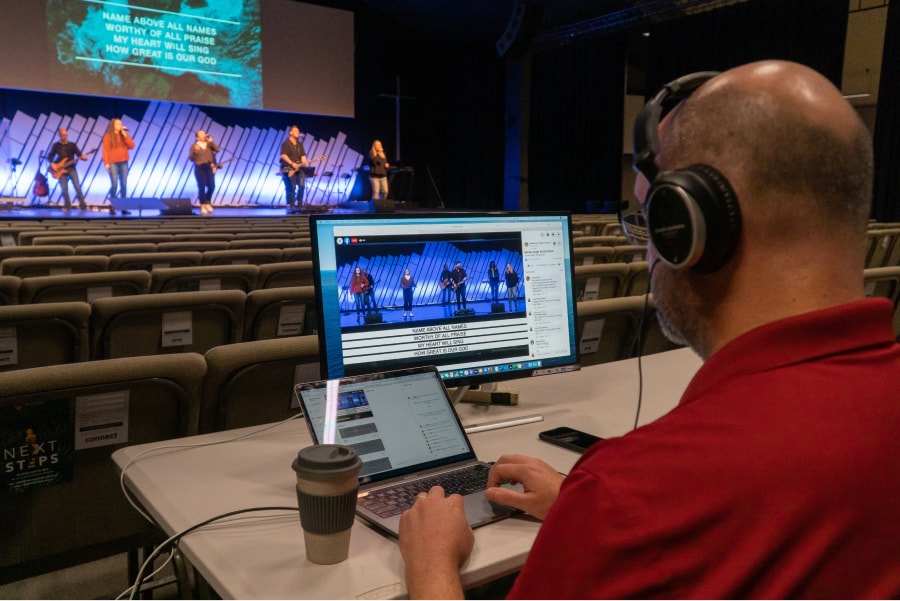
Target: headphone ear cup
{"points": [[694, 219]]}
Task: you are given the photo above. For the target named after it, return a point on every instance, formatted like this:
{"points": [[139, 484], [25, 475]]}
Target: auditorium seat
{"points": [[246, 256], [165, 323], [606, 329], [881, 242], [263, 233], [153, 260], [53, 250], [638, 279], [286, 273], [81, 515], [279, 312], [204, 277], [611, 229], [252, 383], [147, 236], [604, 280], [115, 249], [9, 289], [259, 242], [42, 334], [205, 236], [296, 253], [592, 255], [192, 245], [29, 267], [626, 253], [70, 239], [597, 241], [85, 287]]}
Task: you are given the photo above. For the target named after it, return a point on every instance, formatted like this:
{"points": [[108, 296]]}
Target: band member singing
{"points": [[407, 284], [459, 285], [378, 167], [293, 158], [494, 281], [116, 144], [63, 156], [358, 286], [512, 285], [203, 156]]}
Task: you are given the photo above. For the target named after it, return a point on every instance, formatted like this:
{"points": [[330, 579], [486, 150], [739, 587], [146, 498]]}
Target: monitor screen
{"points": [[483, 297]]}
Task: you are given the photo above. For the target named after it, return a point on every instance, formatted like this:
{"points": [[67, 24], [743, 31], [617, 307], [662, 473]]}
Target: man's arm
{"points": [[435, 541]]}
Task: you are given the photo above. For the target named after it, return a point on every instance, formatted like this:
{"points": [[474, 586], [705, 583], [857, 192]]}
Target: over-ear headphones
{"points": [[693, 217]]}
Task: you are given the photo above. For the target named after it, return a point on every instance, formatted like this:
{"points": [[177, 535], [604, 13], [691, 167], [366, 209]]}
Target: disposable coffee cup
{"points": [[327, 484]]}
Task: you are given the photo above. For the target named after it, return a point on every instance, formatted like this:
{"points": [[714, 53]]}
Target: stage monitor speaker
{"points": [[374, 318], [384, 205], [520, 31], [498, 308], [177, 206]]}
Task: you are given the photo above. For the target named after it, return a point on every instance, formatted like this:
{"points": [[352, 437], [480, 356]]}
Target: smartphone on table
{"points": [[569, 438]]}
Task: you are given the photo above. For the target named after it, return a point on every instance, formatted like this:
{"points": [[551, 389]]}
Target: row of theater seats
{"points": [[609, 280], [83, 515], [290, 248], [44, 334], [88, 287], [36, 266]]}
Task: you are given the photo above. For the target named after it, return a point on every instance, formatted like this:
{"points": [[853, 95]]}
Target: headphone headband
{"points": [[645, 139]]}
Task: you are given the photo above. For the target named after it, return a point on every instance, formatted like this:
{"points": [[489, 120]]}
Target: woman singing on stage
{"points": [[407, 283]]}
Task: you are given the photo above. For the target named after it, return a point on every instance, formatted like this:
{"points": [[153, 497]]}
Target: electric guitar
{"points": [[307, 170], [61, 167], [216, 166]]}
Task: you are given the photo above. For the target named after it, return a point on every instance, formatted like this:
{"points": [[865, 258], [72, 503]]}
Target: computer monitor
{"points": [[475, 329]]}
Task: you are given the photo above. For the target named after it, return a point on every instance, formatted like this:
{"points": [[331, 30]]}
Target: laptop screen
{"points": [[398, 422]]}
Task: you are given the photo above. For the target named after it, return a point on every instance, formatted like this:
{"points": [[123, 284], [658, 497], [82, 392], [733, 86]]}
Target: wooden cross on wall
{"points": [[397, 98]]}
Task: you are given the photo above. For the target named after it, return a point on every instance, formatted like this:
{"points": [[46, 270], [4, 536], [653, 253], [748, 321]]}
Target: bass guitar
{"points": [[307, 170], [60, 168], [216, 166]]}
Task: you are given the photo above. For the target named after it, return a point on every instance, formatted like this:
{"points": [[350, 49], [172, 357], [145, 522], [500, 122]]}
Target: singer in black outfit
{"points": [[203, 156]]}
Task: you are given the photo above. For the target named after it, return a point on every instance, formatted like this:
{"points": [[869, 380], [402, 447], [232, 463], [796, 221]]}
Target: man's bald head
{"points": [[785, 138]]}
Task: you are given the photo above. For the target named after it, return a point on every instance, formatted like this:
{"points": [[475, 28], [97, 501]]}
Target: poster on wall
{"points": [[37, 445]]}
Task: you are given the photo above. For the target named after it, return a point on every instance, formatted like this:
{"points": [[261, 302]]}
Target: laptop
{"points": [[403, 426]]}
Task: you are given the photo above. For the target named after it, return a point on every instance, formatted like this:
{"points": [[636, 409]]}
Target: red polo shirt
{"points": [[777, 476]]}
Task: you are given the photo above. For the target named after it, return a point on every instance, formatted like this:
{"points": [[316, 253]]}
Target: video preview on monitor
{"points": [[484, 297]]}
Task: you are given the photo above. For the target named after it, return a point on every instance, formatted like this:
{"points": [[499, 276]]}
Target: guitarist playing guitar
{"points": [[63, 156], [293, 158]]}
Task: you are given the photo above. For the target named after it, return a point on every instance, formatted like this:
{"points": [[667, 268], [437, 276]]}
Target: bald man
{"points": [[777, 475]]}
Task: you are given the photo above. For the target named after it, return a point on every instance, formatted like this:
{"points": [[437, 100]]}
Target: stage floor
{"points": [[51, 212]]}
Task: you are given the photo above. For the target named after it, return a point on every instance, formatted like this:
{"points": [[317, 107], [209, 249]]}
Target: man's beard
{"points": [[676, 309]]}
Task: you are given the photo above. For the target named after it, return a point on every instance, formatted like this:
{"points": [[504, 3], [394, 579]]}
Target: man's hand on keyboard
{"points": [[435, 540], [540, 482]]}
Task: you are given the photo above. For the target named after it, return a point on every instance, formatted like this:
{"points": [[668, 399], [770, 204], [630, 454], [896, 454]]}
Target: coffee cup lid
{"points": [[326, 458]]}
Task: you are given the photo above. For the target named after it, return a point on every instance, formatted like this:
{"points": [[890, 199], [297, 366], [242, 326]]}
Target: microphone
{"points": [[124, 128]]}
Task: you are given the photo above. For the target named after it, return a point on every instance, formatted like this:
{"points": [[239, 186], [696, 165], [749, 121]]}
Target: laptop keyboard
{"points": [[394, 500]]}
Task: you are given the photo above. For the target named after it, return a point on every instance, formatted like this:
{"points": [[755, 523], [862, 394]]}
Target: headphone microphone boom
{"points": [[692, 214]]}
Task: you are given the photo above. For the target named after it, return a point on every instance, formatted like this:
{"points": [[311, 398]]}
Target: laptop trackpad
{"points": [[480, 511]]}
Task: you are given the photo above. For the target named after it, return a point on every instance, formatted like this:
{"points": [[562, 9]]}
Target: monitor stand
{"points": [[486, 394], [464, 394]]}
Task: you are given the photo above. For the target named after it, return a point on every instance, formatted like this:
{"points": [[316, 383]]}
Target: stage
{"points": [[22, 210]]}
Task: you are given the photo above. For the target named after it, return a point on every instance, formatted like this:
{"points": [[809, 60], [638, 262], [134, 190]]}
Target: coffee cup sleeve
{"points": [[327, 514]]}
